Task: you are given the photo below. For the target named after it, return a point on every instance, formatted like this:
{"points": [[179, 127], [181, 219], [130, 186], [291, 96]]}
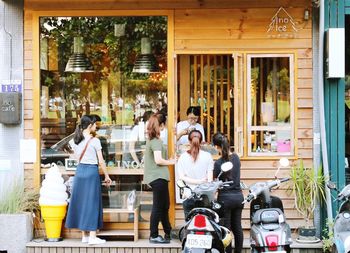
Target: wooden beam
{"points": [[202, 89], [154, 4], [208, 98], [221, 94], [195, 80], [215, 95], [228, 123], [184, 87]]}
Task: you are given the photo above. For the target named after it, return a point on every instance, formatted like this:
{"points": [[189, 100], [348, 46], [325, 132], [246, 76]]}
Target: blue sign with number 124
{"points": [[11, 86]]}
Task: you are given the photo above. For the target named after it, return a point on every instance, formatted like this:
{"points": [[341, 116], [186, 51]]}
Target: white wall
{"points": [[11, 53]]}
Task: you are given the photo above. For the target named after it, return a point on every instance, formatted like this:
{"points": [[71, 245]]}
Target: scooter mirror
{"points": [[331, 185], [284, 162], [226, 166], [180, 183]]}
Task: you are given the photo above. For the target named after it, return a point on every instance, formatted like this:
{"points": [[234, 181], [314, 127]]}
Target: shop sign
{"points": [[10, 108], [282, 25], [129, 164], [11, 86]]}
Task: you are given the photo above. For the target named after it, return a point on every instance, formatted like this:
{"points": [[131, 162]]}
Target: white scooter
{"points": [[269, 230], [341, 229]]}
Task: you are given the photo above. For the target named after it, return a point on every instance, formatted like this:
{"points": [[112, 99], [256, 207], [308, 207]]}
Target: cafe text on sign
{"points": [[7, 106], [10, 107]]}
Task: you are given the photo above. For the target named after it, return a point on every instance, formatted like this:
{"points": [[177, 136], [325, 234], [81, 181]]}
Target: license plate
{"points": [[280, 251], [198, 241]]}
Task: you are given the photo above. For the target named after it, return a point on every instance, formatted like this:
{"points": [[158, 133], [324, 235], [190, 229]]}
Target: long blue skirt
{"points": [[85, 207]]}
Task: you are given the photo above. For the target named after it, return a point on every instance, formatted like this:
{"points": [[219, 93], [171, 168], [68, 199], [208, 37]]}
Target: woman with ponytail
{"points": [[194, 167], [85, 206], [230, 197]]}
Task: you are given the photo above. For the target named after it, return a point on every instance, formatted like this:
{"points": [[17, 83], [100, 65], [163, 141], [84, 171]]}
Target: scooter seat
{"points": [[268, 216]]}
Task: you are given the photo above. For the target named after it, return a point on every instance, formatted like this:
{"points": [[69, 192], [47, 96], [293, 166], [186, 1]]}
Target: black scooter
{"points": [[341, 229], [269, 230], [202, 232]]}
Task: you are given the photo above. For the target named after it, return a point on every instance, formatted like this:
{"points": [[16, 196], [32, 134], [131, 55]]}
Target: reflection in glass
{"points": [[271, 141], [121, 99], [270, 105], [270, 90], [207, 81]]}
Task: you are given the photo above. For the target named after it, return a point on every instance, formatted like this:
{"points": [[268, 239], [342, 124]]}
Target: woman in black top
{"points": [[230, 197]]}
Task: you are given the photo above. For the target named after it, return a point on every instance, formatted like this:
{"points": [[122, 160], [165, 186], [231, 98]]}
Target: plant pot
{"points": [[16, 230], [307, 235]]}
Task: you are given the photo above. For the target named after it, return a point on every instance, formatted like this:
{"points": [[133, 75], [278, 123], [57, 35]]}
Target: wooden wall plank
{"points": [[164, 4], [216, 44], [304, 93], [305, 133], [231, 33]]}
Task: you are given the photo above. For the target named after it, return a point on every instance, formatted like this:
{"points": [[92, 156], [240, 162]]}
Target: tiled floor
{"points": [[140, 246]]}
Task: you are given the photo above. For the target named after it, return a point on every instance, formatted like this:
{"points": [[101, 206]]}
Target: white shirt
{"points": [[198, 169], [90, 156], [164, 136], [182, 125]]}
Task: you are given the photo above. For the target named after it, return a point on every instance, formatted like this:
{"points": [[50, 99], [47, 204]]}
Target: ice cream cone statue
{"points": [[53, 203]]}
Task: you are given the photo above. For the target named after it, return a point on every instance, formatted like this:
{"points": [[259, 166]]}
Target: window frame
{"points": [[250, 128]]}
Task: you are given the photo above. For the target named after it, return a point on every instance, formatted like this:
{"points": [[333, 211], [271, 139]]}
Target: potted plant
{"points": [[307, 186], [16, 217]]}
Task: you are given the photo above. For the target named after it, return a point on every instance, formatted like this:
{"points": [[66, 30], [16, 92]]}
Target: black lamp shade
{"points": [[146, 63], [79, 63]]}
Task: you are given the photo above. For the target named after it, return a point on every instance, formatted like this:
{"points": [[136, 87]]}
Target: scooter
{"points": [[269, 230], [341, 229], [202, 232]]}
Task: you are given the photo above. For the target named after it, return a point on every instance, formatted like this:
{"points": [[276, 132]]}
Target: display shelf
{"points": [[111, 171], [124, 232]]}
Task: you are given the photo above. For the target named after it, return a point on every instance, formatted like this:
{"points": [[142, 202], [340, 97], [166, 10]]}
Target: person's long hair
{"points": [[195, 138], [153, 126], [85, 122], [221, 140]]}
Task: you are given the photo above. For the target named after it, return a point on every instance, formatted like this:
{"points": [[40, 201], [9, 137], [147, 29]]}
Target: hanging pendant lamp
{"points": [[146, 62], [78, 62]]}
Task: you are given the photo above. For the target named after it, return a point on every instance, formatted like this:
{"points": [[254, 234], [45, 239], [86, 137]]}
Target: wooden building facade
{"points": [[252, 35]]}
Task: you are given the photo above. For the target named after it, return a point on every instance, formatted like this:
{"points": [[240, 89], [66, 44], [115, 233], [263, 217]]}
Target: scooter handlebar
{"points": [[284, 179], [249, 198], [277, 182]]}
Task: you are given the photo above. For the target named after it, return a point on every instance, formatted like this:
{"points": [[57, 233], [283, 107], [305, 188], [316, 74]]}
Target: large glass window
{"points": [[114, 68], [270, 105]]}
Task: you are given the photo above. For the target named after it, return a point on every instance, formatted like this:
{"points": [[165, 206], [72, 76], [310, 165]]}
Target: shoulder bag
{"points": [[82, 153]]}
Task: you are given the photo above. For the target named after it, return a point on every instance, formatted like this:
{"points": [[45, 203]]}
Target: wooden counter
{"points": [[111, 171]]}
